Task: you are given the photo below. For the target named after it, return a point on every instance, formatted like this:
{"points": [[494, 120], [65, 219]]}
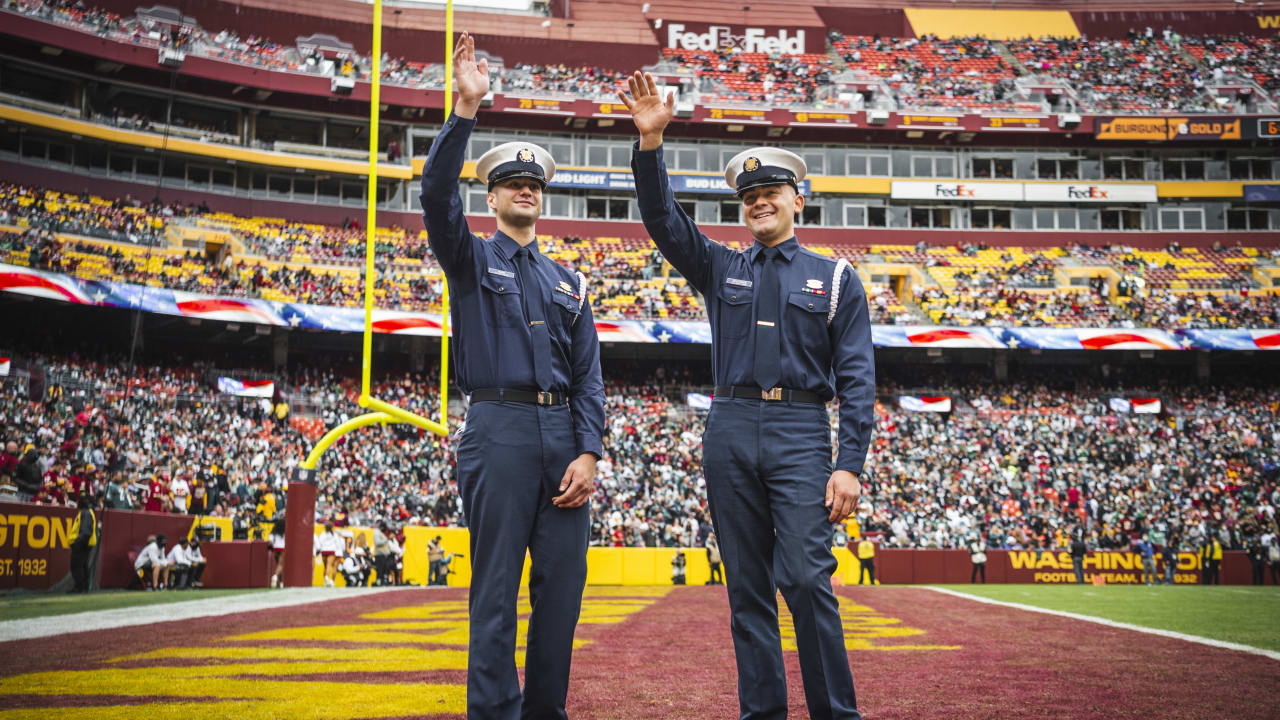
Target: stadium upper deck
{"points": [[848, 60]]}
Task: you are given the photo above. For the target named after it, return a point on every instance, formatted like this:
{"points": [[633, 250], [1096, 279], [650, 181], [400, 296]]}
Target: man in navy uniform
{"points": [[790, 331], [527, 355]]}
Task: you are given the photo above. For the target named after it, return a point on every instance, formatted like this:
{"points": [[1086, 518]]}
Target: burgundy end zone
{"points": [[675, 659]]}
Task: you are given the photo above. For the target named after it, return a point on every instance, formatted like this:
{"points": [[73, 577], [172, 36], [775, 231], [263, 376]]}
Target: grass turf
{"points": [[1248, 615], [24, 605]]}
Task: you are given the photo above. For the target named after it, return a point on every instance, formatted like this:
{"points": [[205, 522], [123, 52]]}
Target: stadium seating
{"points": [[1138, 74], [969, 284], [1134, 75]]}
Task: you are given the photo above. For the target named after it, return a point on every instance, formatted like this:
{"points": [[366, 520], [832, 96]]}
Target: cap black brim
{"points": [[766, 181], [521, 174]]}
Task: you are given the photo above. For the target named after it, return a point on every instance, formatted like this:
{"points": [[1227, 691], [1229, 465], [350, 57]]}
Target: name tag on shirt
{"points": [[501, 273], [738, 282]]}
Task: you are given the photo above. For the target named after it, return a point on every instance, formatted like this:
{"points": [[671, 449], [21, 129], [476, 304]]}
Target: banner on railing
{"points": [[1251, 339], [246, 388], [915, 403], [55, 286], [4, 366], [1090, 339]]}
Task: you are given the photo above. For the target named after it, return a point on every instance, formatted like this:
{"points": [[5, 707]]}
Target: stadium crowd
{"points": [[1147, 71], [1144, 72], [1013, 465], [125, 219]]}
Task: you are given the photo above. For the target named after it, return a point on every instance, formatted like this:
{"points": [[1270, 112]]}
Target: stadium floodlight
{"points": [[300, 509]]}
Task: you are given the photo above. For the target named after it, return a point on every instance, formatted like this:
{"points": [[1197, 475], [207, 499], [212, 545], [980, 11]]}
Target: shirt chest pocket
{"points": [[735, 311], [502, 299], [806, 319], [564, 312]]}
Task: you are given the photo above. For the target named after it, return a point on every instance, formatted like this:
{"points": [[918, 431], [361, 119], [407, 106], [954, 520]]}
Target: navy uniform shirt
{"points": [[492, 343], [828, 360]]}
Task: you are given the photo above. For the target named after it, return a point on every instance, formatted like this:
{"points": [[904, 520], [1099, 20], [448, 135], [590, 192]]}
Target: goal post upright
{"points": [[300, 508]]}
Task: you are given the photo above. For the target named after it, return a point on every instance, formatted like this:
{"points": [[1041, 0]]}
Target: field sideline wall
{"points": [[35, 554]]}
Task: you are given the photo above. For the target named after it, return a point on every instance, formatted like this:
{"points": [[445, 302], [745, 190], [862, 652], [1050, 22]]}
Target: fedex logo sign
{"points": [[751, 40], [1092, 192], [952, 191]]}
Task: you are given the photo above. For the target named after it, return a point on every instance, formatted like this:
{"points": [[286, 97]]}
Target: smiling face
{"points": [[769, 212], [517, 202]]}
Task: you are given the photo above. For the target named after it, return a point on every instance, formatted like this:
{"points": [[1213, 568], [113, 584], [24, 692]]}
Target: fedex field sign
{"points": [[752, 40]]}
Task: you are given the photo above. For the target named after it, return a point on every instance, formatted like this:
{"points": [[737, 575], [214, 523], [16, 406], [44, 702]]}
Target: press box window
{"points": [[730, 212], [933, 166], [992, 167], [867, 165], [606, 208], [1124, 169], [1183, 169], [1058, 169], [1121, 219], [931, 217], [1251, 168], [1182, 219], [991, 218], [1248, 219]]}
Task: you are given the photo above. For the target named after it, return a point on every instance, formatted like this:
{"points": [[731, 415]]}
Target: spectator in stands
{"points": [[180, 491], [27, 475]]}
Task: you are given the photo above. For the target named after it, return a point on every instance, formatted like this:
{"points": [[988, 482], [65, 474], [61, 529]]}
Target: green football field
{"points": [[1242, 614], [23, 605]]}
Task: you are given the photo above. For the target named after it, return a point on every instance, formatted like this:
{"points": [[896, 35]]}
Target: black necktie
{"points": [[531, 294], [768, 363]]}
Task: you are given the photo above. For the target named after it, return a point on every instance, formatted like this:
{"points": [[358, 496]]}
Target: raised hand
{"points": [[649, 111], [470, 77]]}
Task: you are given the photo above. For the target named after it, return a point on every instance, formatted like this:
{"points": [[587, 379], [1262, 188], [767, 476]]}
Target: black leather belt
{"points": [[749, 392], [520, 396]]}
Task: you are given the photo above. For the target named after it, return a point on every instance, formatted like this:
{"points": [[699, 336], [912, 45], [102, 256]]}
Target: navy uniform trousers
{"points": [[767, 465], [511, 458]]}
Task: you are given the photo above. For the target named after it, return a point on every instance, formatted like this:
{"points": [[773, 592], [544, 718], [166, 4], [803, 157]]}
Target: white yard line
{"points": [[168, 612], [1112, 623]]}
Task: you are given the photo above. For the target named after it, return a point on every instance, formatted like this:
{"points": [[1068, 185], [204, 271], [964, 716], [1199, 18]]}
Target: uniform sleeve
{"points": [[675, 234], [587, 388], [853, 361], [451, 240]]}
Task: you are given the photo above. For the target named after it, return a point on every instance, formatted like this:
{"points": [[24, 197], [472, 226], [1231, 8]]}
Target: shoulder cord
{"points": [[841, 264], [582, 295]]}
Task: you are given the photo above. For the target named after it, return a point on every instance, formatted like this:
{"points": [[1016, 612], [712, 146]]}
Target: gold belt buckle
{"points": [[774, 394], [544, 398]]}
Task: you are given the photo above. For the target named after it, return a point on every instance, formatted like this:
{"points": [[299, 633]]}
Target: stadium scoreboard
{"points": [[1269, 127]]}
